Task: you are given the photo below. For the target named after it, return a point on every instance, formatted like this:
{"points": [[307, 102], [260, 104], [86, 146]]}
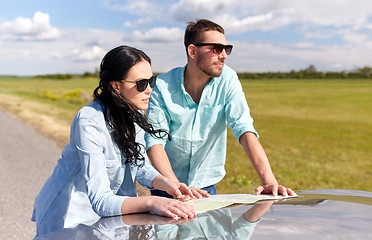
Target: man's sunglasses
{"points": [[142, 84], [217, 47]]}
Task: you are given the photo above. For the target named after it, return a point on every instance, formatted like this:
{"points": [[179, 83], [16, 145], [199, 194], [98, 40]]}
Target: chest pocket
{"points": [[115, 170], [210, 115]]}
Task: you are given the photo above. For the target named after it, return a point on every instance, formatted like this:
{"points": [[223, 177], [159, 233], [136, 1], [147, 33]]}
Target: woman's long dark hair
{"points": [[119, 114]]}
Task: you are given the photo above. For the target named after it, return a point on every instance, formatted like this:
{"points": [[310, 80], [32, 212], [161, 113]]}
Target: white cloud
{"points": [[36, 29], [289, 34], [140, 22], [81, 54], [318, 33], [76, 51], [337, 65], [335, 13], [233, 25], [93, 54], [188, 10], [238, 17], [268, 56], [161, 34], [144, 21], [353, 37], [138, 7], [128, 24]]}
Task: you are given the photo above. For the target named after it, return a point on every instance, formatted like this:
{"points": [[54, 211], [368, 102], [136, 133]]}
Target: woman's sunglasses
{"points": [[142, 84], [217, 47]]}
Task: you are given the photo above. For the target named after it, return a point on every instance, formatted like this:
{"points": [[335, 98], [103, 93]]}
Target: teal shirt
{"points": [[216, 224], [197, 151]]}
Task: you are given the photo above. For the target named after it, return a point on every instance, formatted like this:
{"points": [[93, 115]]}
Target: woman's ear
{"points": [[116, 86]]}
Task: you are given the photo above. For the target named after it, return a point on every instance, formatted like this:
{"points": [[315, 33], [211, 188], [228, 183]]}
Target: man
{"points": [[194, 103]]}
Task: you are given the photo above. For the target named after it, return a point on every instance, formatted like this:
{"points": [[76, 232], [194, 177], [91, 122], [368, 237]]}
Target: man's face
{"points": [[208, 61]]}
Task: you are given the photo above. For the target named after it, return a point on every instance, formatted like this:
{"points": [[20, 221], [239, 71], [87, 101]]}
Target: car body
{"points": [[315, 214]]}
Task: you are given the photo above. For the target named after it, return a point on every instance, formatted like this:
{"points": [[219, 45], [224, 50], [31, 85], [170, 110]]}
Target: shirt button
{"points": [[192, 159]]}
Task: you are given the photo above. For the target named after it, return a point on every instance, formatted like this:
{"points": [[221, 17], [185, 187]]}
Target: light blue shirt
{"points": [[89, 180], [197, 151], [104, 228], [216, 224]]}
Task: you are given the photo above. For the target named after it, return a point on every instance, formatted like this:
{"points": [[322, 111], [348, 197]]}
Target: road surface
{"points": [[26, 160]]}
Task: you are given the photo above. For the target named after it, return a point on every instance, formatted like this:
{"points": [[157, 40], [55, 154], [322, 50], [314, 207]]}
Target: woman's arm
{"points": [[90, 139], [158, 205]]}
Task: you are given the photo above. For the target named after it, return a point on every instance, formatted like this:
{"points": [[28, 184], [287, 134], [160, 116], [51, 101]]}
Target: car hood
{"points": [[315, 214]]}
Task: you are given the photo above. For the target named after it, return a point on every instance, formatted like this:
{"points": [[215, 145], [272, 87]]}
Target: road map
{"points": [[224, 200]]}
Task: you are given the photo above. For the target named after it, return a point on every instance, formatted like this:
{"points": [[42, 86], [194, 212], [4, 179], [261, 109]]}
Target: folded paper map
{"points": [[224, 200]]}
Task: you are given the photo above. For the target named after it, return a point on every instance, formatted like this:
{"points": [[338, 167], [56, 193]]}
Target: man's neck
{"points": [[194, 82]]}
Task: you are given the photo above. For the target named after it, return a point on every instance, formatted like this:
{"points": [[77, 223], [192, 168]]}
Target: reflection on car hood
{"points": [[317, 214]]}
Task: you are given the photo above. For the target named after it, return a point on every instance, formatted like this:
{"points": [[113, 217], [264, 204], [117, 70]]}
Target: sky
{"points": [[72, 36]]}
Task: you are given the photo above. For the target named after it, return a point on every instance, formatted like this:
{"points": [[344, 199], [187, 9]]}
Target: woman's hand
{"points": [[158, 205], [170, 208], [151, 219]]}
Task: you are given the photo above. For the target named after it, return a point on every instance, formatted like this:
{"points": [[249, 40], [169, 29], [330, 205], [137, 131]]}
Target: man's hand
{"points": [[178, 190], [185, 192], [199, 193], [275, 190]]}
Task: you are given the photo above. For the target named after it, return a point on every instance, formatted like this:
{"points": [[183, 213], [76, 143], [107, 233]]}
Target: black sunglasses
{"points": [[142, 84], [217, 47]]}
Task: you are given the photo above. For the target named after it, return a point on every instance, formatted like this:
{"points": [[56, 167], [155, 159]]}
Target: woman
{"points": [[95, 177]]}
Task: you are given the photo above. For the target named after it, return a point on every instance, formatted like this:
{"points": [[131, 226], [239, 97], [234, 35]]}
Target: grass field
{"points": [[316, 133]]}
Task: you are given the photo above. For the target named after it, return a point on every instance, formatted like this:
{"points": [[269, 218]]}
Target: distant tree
{"points": [[310, 73], [311, 69], [91, 75], [55, 76]]}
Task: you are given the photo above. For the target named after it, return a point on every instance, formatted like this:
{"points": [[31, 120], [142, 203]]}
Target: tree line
{"points": [[308, 73]]}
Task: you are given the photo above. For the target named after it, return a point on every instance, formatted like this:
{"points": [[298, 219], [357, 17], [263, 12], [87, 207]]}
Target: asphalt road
{"points": [[26, 160]]}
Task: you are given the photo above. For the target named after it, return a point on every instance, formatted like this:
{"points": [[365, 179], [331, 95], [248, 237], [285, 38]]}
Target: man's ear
{"points": [[191, 51], [116, 86]]}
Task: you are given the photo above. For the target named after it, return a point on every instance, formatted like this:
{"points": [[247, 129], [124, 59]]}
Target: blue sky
{"points": [[72, 36]]}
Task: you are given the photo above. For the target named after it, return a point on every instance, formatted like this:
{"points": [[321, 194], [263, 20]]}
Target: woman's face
{"points": [[128, 90]]}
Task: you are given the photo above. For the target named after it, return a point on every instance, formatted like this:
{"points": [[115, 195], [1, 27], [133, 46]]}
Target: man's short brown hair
{"points": [[194, 30]]}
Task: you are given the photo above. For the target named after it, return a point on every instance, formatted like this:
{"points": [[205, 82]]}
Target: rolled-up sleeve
{"points": [[237, 111], [89, 144], [158, 117], [242, 229], [146, 174]]}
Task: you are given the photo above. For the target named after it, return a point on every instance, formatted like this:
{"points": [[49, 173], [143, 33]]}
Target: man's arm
{"points": [[160, 161], [260, 162]]}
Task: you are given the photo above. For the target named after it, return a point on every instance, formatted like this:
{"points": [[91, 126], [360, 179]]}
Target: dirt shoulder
{"points": [[43, 118], [39, 116]]}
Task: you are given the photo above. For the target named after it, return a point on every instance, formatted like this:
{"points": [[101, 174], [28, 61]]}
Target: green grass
{"points": [[68, 95], [316, 133]]}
